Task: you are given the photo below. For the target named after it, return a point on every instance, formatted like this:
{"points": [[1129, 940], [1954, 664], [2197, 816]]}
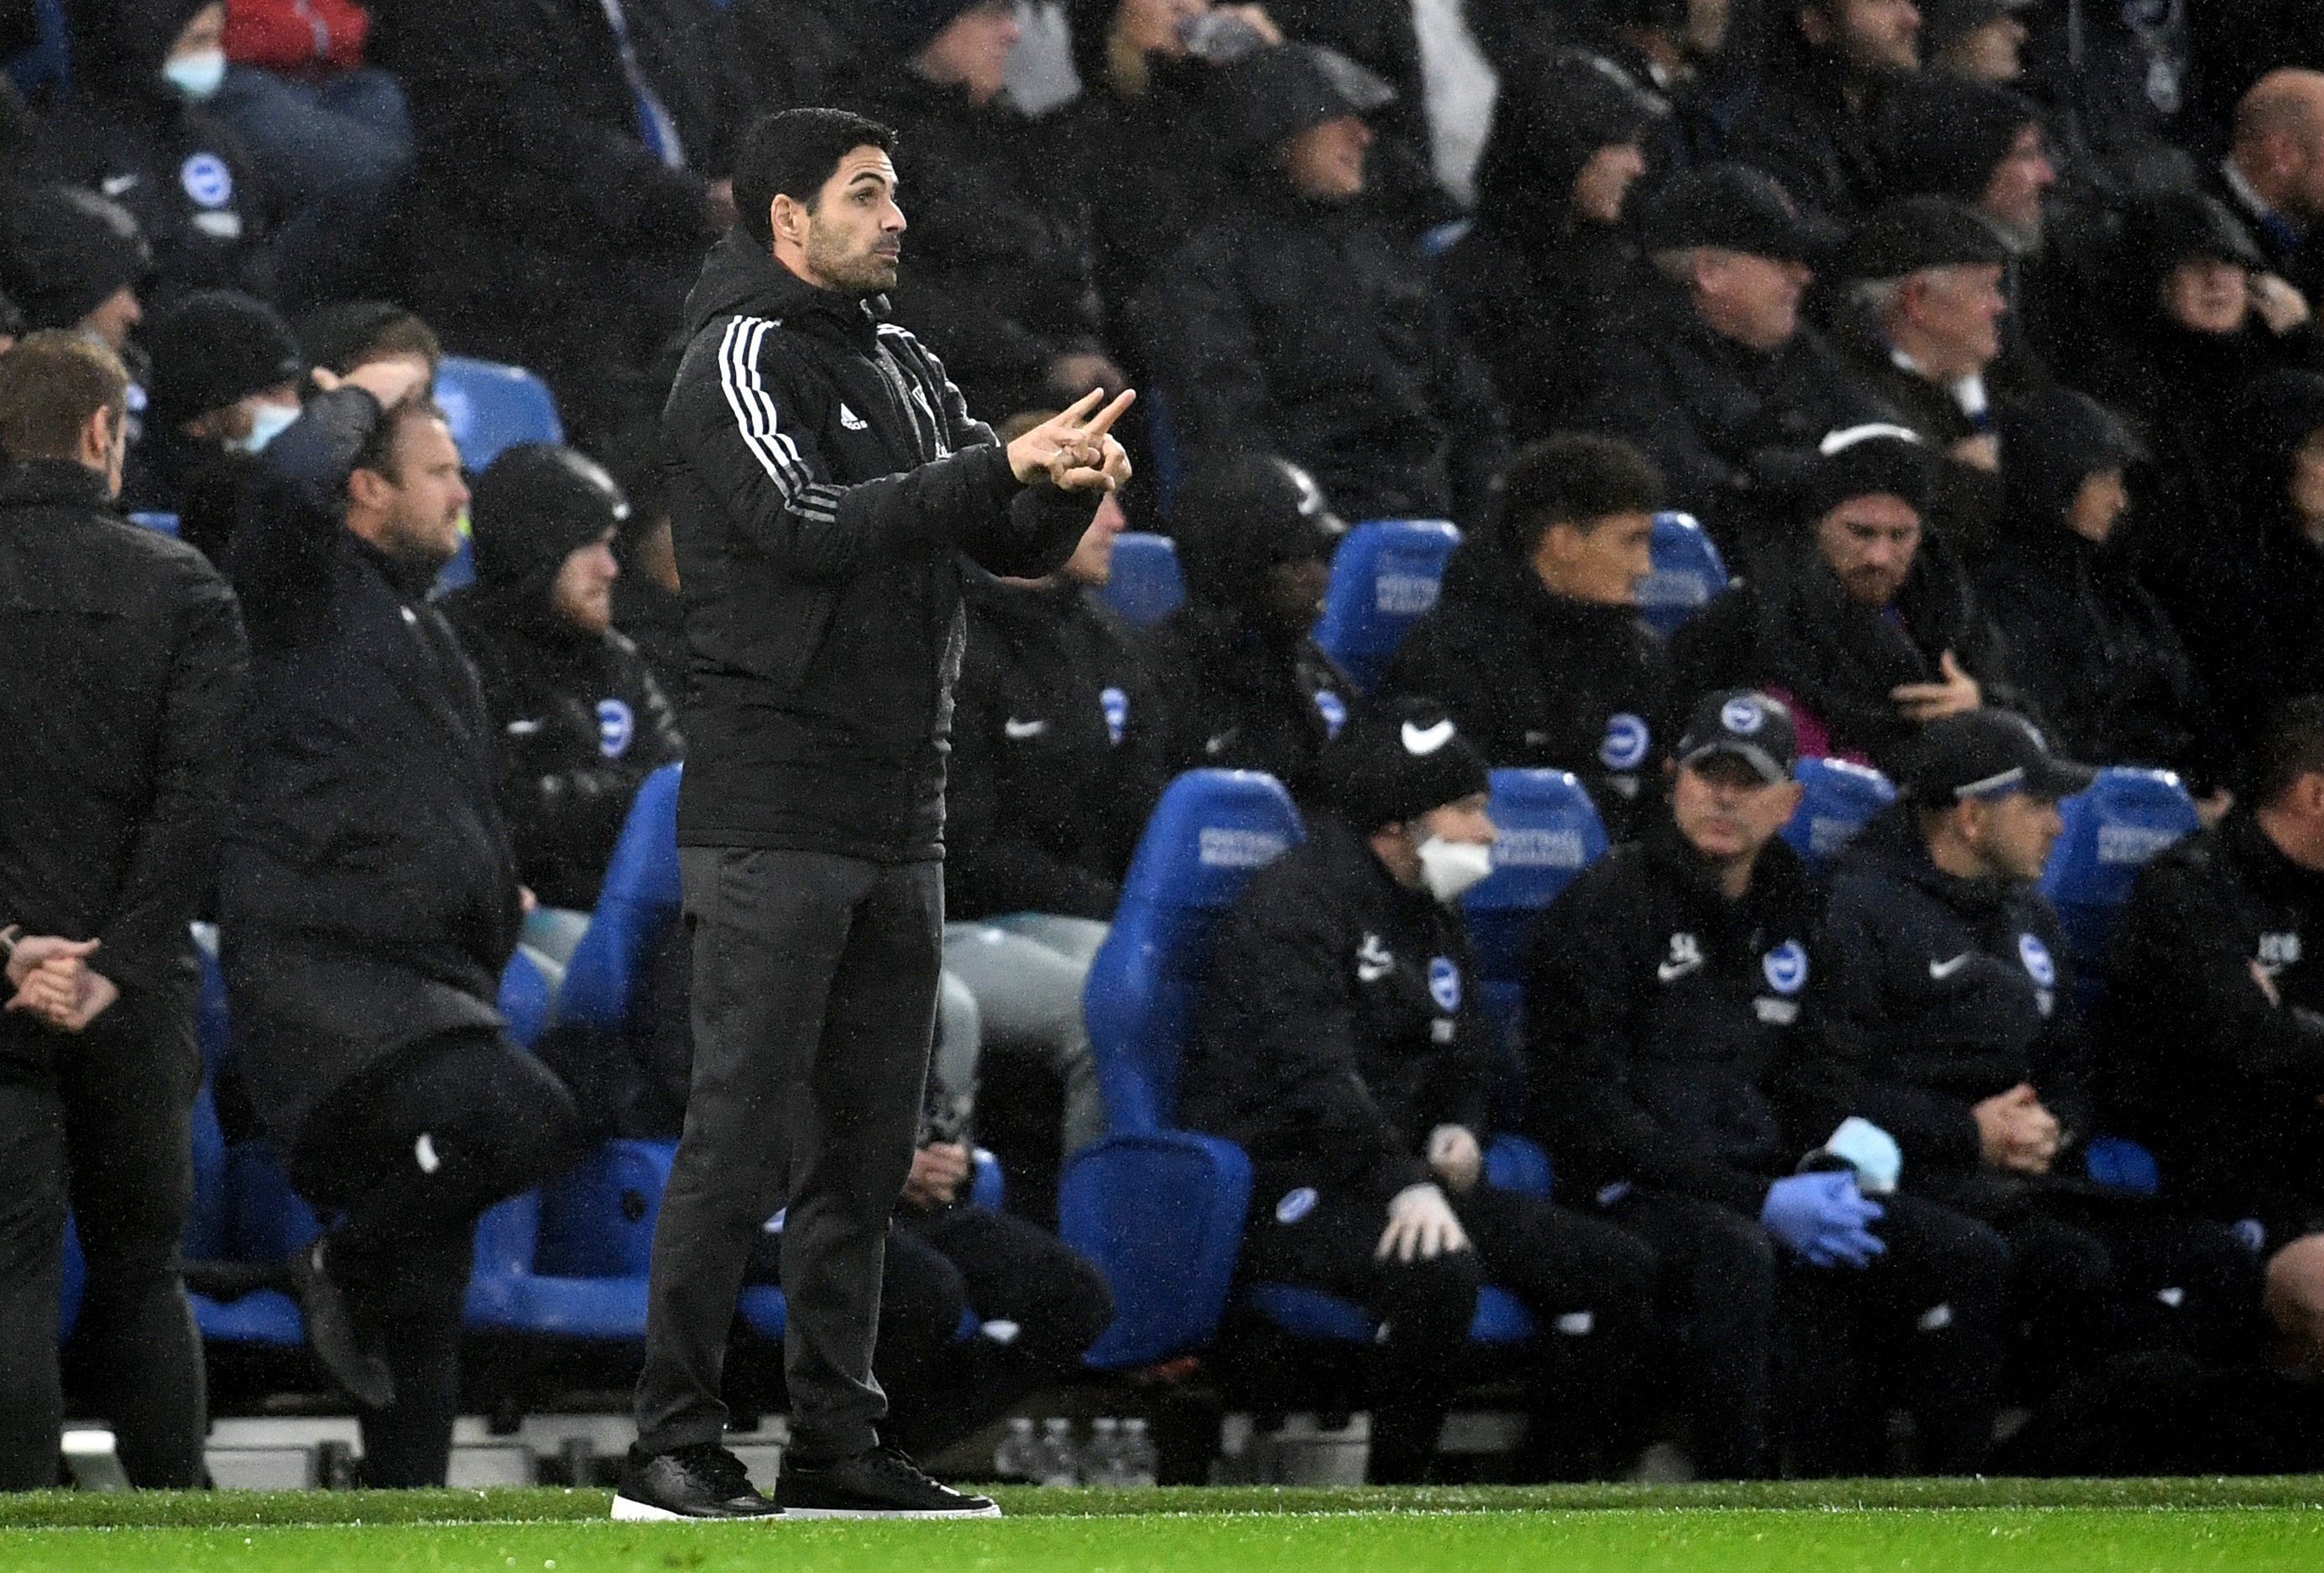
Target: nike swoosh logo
{"points": [[1941, 970], [523, 728], [1373, 971], [1424, 741], [1023, 731], [1218, 744], [1671, 971]]}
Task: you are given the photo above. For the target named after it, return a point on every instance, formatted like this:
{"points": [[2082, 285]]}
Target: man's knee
{"points": [[1436, 1293]]}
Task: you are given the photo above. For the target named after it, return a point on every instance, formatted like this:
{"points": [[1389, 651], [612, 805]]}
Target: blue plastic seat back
{"points": [[1688, 571], [638, 895], [1161, 1215], [1385, 574], [1519, 1165], [598, 1219], [1145, 585], [490, 406], [1212, 828], [1840, 796], [2112, 831], [525, 997], [207, 1231], [1550, 831], [76, 1284]]}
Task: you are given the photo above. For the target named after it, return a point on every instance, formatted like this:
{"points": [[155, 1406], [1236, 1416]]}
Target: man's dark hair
{"points": [[1577, 479], [2290, 746], [50, 383], [792, 153], [344, 337], [380, 453]]}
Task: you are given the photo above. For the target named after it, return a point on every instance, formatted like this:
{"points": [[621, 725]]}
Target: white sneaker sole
{"points": [[991, 1511], [629, 1511]]}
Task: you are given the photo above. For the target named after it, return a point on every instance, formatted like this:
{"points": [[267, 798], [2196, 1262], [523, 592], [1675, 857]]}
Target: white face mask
{"points": [[1449, 867], [198, 75], [267, 423]]}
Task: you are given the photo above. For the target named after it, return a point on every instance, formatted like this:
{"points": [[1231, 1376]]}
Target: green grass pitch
{"points": [[2182, 1526]]}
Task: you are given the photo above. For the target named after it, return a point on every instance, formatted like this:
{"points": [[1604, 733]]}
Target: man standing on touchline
{"points": [[827, 478]]}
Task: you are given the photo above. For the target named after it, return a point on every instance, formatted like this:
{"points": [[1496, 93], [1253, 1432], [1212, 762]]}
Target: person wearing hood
{"points": [[1003, 284], [1537, 647], [1920, 326], [1950, 1022], [71, 259], [577, 717], [829, 488], [1295, 321], [1717, 376], [1244, 684], [1549, 259], [1672, 991], [1666, 48], [1340, 1040], [1810, 124], [226, 382], [137, 128], [1867, 627], [2090, 647]]}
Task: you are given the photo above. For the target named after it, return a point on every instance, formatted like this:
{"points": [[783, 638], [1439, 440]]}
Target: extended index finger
{"points": [[1072, 414], [1102, 422]]}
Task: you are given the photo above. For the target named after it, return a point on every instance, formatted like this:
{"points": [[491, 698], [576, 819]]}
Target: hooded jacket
{"points": [[1796, 631], [1543, 682], [578, 720], [1058, 755], [1943, 992], [2281, 589], [1339, 1021], [827, 477], [2220, 1080], [1661, 1019]]}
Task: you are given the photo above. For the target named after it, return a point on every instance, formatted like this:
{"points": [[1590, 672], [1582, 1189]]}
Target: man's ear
{"points": [[2311, 795], [787, 218], [98, 436], [368, 488]]}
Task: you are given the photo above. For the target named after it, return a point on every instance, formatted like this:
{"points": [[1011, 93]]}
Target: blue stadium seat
{"points": [[490, 407], [1146, 586], [1840, 796], [507, 1292], [76, 1284], [1550, 831], [638, 895], [47, 66], [1688, 571], [2112, 830], [1385, 574], [167, 523]]}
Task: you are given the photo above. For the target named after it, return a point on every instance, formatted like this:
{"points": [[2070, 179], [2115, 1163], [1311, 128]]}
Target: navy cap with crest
{"points": [[1742, 724], [1987, 752]]}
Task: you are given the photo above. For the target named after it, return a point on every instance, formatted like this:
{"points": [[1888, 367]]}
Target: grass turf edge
{"points": [[224, 1509]]}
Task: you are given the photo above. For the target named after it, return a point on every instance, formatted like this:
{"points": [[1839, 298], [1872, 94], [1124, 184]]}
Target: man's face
{"points": [[1294, 592], [113, 317], [1604, 564], [1706, 27], [2013, 834], [1989, 52], [974, 50], [2307, 480], [1091, 562], [1959, 310], [1605, 180], [583, 592], [428, 494], [2098, 503], [854, 233], [1465, 820], [1726, 811], [1754, 301], [2019, 182], [1325, 162], [1879, 35], [2208, 295], [1870, 543]]}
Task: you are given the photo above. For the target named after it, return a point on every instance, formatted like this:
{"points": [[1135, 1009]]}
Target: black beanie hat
{"points": [[2056, 439], [1869, 460], [1937, 132], [1396, 761], [534, 506], [1236, 519], [213, 348], [65, 251], [1275, 94]]}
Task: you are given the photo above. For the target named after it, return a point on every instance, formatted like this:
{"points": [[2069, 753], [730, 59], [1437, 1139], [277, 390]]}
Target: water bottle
{"points": [[1054, 1463], [1219, 37], [1141, 1464], [1101, 1458], [1013, 1459]]}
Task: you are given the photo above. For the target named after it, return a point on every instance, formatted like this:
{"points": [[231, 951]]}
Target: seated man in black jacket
{"points": [[1340, 1040], [2216, 1016], [1951, 1023], [1245, 685], [575, 714], [1536, 645], [1669, 992]]}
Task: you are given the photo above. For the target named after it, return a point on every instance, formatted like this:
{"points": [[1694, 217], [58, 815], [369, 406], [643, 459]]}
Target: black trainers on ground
{"points": [[331, 1329], [704, 1481], [883, 1482]]}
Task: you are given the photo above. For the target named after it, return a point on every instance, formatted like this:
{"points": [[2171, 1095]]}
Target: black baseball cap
{"points": [[1985, 753], [1734, 208], [1914, 233], [1750, 726]]}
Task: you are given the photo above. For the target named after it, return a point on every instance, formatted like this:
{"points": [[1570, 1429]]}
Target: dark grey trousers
{"points": [[815, 990]]}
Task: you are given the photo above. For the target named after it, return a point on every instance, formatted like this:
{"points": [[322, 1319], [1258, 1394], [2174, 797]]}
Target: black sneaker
{"points": [[331, 1330], [883, 1482], [704, 1481]]}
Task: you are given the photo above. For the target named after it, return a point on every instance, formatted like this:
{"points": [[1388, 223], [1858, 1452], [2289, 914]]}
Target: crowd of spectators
{"points": [[1979, 334]]}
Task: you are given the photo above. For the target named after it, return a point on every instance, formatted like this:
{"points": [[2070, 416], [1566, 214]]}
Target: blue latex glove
{"points": [[1822, 1217]]}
